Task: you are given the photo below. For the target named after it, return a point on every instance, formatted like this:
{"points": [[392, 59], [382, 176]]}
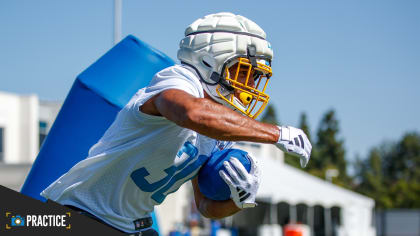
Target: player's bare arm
{"points": [[210, 208], [209, 118], [219, 122]]}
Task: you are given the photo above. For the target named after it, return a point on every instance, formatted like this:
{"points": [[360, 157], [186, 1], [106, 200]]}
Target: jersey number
{"points": [[173, 173]]}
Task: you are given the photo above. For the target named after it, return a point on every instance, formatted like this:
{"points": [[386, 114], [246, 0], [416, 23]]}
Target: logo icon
{"points": [[17, 221]]}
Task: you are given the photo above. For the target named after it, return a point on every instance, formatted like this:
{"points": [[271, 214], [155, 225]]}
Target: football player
{"points": [[166, 132]]}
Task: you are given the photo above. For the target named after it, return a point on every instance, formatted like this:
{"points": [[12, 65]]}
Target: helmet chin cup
{"points": [[245, 98]]}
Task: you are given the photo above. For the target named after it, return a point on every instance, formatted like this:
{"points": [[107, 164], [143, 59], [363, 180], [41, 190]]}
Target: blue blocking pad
{"points": [[96, 97], [83, 119], [123, 70], [209, 180]]}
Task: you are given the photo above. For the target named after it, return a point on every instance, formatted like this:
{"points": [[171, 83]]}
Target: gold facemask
{"points": [[249, 85]]}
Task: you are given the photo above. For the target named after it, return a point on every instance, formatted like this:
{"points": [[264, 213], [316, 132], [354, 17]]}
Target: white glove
{"points": [[295, 142], [243, 185]]}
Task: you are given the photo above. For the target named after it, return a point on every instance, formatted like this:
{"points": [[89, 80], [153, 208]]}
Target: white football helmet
{"points": [[231, 55]]}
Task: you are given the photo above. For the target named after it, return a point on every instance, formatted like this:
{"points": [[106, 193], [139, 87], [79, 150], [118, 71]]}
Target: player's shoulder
{"points": [[178, 71], [178, 76]]}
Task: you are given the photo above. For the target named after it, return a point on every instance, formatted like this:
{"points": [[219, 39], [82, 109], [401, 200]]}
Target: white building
{"points": [[24, 123]]}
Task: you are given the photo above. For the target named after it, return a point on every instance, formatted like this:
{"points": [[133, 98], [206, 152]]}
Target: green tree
{"points": [[391, 173], [372, 180], [403, 161], [330, 152]]}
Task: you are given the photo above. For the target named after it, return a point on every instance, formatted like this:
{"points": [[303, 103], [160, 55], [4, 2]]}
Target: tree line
{"points": [[390, 173]]}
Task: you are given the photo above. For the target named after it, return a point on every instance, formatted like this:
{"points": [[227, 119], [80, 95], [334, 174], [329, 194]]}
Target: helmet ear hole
{"points": [[209, 61], [206, 64]]}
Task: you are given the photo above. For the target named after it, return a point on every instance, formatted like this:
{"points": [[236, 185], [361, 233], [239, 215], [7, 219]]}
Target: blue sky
{"points": [[361, 57]]}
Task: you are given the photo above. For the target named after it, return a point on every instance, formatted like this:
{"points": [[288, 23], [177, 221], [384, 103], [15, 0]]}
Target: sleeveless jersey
{"points": [[139, 160]]}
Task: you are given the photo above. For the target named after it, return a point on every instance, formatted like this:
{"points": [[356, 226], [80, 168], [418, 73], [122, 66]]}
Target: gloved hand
{"points": [[295, 142], [243, 185]]}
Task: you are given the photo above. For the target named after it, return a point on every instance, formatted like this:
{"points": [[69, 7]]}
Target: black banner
{"points": [[23, 215]]}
